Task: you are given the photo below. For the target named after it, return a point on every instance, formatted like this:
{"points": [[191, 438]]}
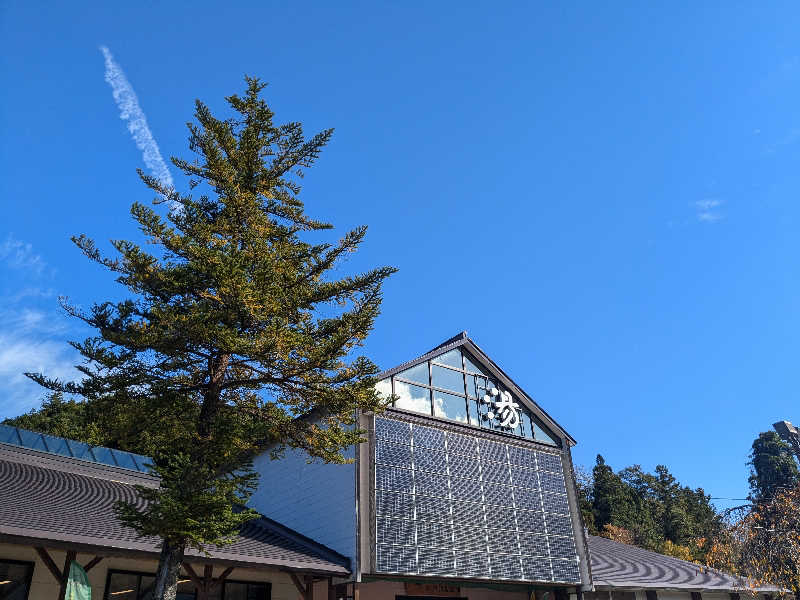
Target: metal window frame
{"points": [[139, 575], [267, 584], [29, 578]]}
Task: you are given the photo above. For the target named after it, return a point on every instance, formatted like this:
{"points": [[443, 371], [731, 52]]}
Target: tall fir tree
{"points": [[772, 467], [235, 328]]}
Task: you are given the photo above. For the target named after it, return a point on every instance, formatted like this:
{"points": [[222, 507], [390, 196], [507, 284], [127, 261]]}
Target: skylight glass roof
{"points": [[453, 386], [73, 449]]}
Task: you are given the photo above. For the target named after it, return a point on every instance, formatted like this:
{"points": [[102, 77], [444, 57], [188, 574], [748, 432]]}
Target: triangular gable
{"points": [[463, 341]]}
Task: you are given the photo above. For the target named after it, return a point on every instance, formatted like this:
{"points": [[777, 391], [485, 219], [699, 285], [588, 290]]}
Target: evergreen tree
{"points": [[235, 329], [652, 510], [612, 502], [62, 418], [772, 467]]}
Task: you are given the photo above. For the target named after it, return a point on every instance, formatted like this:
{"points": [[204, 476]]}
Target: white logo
{"points": [[505, 409]]}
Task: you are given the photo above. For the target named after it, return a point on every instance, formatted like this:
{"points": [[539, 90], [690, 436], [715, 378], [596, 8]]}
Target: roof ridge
{"points": [[310, 543]]}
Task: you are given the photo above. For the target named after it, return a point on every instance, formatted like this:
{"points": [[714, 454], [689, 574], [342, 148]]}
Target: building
{"points": [[56, 506], [464, 489]]}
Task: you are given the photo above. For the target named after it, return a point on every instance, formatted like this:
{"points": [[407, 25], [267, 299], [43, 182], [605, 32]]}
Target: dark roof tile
{"points": [[53, 498], [623, 566]]}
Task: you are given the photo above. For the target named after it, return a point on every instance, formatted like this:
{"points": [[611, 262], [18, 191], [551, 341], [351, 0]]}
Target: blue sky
{"points": [[604, 195]]}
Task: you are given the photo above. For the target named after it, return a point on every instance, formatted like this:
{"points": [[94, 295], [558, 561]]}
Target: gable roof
{"points": [[65, 502], [616, 565], [463, 340]]}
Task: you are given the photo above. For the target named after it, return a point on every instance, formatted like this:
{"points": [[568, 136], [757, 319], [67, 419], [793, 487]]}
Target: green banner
{"points": [[78, 587]]}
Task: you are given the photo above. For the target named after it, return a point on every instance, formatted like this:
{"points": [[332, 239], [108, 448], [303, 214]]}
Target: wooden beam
{"points": [[49, 562], [92, 563], [219, 580], [71, 554], [306, 589], [309, 587], [298, 584], [198, 583]]}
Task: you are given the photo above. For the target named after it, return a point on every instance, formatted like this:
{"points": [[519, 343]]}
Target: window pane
{"points": [[452, 358], [526, 424], [483, 386], [472, 366], [384, 387], [14, 578], [448, 379], [540, 435], [472, 385], [257, 591], [474, 413], [418, 374], [412, 397], [146, 585], [450, 406], [235, 591], [186, 590], [123, 586]]}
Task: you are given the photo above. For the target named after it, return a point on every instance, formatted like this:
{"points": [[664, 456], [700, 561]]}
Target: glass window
{"points": [[384, 387], [469, 365], [447, 379], [474, 411], [418, 374], [15, 579], [526, 424], [130, 585], [452, 358], [412, 397], [541, 435], [246, 590], [450, 406], [472, 385], [417, 389]]}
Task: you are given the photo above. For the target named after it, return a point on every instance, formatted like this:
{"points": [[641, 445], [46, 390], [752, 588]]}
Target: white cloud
{"points": [[20, 255], [129, 110], [707, 210], [31, 341]]}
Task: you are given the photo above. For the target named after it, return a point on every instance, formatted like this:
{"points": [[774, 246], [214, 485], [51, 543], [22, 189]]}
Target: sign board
{"points": [[441, 590]]}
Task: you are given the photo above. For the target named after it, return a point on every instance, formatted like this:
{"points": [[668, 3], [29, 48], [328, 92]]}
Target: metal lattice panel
{"points": [[396, 559], [468, 506], [436, 561], [396, 531]]}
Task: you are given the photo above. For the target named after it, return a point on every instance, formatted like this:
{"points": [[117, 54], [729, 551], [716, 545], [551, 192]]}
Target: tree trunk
{"points": [[169, 568]]}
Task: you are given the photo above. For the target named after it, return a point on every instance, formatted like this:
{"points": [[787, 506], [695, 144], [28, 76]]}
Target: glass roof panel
{"points": [[31, 439], [418, 374], [56, 445], [452, 358], [103, 455], [9, 435], [412, 397], [124, 460], [80, 450], [71, 448]]}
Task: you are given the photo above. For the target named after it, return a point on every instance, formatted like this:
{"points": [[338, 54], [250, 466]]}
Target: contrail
{"points": [[130, 111]]}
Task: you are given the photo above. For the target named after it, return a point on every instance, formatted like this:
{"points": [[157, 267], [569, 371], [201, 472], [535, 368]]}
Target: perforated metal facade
{"points": [[448, 503]]}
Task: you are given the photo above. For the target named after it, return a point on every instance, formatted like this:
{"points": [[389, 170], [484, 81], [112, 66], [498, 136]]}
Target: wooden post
{"points": [[71, 554]]}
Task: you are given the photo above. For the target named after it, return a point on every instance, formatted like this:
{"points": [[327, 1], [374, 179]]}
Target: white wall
{"points": [[317, 499], [45, 587]]}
